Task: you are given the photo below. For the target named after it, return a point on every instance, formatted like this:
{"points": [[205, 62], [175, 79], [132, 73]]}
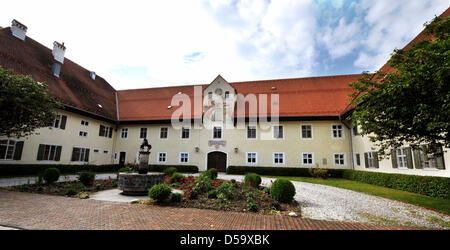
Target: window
{"points": [[355, 130], [185, 133], [371, 159], [337, 131], [429, 160], [7, 148], [143, 133], [358, 159], [210, 95], [339, 159], [306, 132], [252, 158], [106, 151], [307, 158], [105, 131], [84, 123], [217, 133], [184, 157], [227, 95], [60, 121], [80, 154], [278, 158], [96, 150], [124, 133], [401, 158], [162, 157], [83, 133], [251, 132], [163, 132], [49, 153], [278, 132]]}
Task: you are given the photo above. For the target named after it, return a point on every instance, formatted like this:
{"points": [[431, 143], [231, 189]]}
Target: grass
{"points": [[437, 204]]}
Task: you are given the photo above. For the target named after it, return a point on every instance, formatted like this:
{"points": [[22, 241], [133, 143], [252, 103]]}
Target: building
{"points": [[283, 123]]}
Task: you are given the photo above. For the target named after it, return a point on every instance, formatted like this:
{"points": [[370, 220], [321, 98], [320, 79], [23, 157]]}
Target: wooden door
{"points": [[217, 160]]}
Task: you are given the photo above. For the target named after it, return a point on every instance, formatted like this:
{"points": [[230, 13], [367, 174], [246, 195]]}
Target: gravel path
{"points": [[336, 204]]}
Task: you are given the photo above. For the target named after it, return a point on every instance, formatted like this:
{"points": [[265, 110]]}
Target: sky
{"points": [[144, 44]]}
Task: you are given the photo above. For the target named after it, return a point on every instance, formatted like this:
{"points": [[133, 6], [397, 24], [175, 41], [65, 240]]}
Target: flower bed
{"points": [[69, 188], [205, 193]]}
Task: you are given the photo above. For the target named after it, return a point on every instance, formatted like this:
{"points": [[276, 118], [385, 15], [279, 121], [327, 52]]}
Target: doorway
{"points": [[217, 160]]}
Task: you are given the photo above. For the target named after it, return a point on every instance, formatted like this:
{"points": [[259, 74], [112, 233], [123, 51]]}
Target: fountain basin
{"points": [[138, 184]]}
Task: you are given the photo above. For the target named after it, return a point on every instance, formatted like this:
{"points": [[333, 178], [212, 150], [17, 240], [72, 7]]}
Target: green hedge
{"points": [[180, 168], [279, 171], [8, 170], [427, 185]]}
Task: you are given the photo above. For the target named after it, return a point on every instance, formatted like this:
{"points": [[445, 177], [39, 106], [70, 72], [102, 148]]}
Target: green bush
{"points": [[9, 170], [252, 179], [51, 175], [175, 197], [267, 190], [159, 192], [212, 194], [277, 171], [193, 195], [125, 170], [282, 190], [318, 172], [427, 185], [176, 178], [71, 192], [180, 168], [211, 173], [169, 171], [252, 207], [87, 178], [233, 181], [228, 190]]}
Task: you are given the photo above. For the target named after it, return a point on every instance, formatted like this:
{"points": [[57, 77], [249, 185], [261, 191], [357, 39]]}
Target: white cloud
{"points": [[341, 40]]}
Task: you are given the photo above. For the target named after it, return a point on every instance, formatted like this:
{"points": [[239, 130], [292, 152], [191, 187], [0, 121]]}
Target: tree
{"points": [[25, 105], [411, 103]]}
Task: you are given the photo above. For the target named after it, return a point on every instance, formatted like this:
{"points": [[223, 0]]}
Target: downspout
{"points": [[350, 141], [117, 128]]}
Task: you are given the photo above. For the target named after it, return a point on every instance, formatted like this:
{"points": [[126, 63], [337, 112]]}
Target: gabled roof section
{"points": [[74, 88]]}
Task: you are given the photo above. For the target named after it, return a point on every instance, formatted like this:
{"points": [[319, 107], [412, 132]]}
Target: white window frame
{"points": [[87, 134], [284, 158], [59, 118], [273, 132], [158, 157], [126, 130], [189, 129], [301, 132], [256, 132], [7, 147], [342, 129], [356, 161], [221, 132], [84, 121], [105, 150], [371, 159], [54, 156], [167, 136], [140, 132], [180, 157], [246, 158], [81, 154], [93, 150], [334, 159], [403, 156], [312, 158]]}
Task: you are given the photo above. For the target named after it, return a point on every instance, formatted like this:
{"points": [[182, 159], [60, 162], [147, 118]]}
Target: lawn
{"points": [[437, 204]]}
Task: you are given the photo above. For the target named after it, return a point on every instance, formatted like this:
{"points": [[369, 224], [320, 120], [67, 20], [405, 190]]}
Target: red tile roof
{"points": [[74, 87]]}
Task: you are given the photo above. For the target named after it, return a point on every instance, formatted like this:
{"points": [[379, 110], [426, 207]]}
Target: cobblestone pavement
{"points": [[35, 211]]}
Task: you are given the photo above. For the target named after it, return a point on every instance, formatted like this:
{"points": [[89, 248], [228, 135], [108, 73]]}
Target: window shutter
{"points": [[375, 156], [409, 160], [440, 164], [110, 132], [394, 158], [75, 154], [58, 153], [366, 160], [18, 150], [86, 155], [417, 160], [63, 122], [40, 154]]}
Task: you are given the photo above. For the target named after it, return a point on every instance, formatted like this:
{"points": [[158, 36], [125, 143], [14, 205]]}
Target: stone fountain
{"points": [[139, 183]]}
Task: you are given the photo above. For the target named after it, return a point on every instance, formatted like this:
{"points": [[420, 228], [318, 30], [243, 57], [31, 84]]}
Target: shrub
{"points": [[252, 207], [159, 192], [176, 178], [125, 170], [267, 190], [282, 190], [233, 181], [87, 178], [170, 171], [318, 172], [51, 175], [98, 186], [35, 169], [71, 192], [427, 185], [212, 194], [180, 168], [275, 206], [228, 190], [193, 195], [276, 171], [211, 173], [204, 183], [175, 197], [252, 179]]}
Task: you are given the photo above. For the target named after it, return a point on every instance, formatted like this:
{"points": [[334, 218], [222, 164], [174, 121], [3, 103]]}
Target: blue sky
{"points": [[142, 44]]}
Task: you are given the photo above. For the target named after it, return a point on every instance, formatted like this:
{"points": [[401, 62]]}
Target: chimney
{"points": [[18, 30], [58, 52]]}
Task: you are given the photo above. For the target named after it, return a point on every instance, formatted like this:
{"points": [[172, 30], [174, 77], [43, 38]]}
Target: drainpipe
{"points": [[350, 141]]}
